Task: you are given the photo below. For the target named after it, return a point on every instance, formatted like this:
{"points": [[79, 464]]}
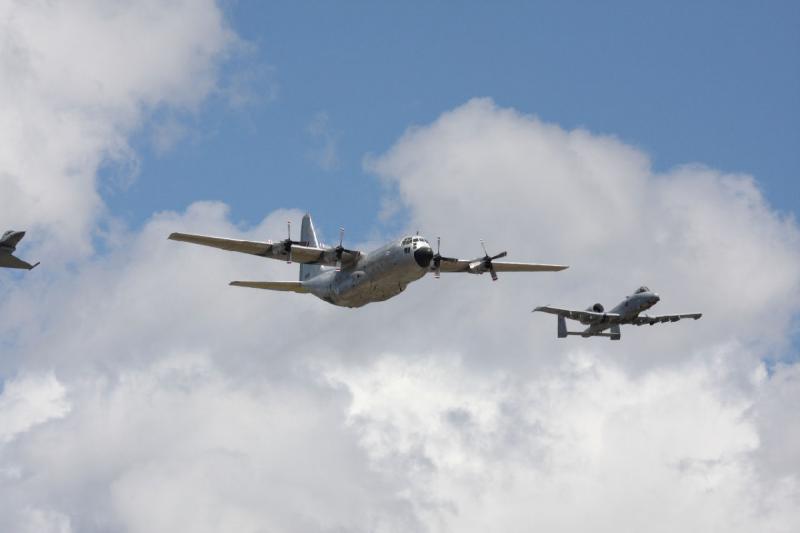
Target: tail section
{"points": [[286, 286], [309, 237]]}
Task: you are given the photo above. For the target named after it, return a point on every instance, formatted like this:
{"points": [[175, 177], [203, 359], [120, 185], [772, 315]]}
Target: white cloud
{"points": [[77, 78], [194, 405], [28, 401], [325, 155]]}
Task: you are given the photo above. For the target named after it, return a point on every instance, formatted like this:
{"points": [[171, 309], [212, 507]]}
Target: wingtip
{"points": [[34, 266], [172, 236]]}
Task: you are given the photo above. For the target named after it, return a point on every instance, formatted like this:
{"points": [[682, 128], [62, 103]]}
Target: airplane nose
{"points": [[657, 297], [423, 256]]}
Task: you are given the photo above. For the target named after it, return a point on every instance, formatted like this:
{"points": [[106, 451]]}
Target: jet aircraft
{"points": [[627, 312], [8, 243], [351, 278]]}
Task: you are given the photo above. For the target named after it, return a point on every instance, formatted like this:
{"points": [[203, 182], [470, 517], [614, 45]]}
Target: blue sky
{"points": [[716, 83], [135, 382]]}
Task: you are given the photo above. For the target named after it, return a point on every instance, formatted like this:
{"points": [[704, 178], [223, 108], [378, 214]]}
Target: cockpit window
{"points": [[642, 289]]}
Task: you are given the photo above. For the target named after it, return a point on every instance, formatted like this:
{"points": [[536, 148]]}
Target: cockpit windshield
{"points": [[642, 289]]}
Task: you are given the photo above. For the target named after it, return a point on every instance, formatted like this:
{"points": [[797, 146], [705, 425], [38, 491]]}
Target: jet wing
{"points": [[586, 317], [461, 265], [300, 254], [10, 261], [650, 320]]}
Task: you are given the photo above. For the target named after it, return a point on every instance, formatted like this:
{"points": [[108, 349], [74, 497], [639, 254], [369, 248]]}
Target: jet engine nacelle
{"points": [[596, 308]]}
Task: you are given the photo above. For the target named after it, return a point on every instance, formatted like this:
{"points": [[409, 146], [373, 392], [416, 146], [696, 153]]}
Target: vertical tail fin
{"points": [[309, 237]]}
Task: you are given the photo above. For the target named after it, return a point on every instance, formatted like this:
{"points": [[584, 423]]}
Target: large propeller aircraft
{"points": [[351, 278], [8, 244], [626, 312]]}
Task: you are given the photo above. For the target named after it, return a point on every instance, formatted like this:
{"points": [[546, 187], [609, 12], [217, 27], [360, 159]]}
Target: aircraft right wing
{"points": [[658, 319], [585, 317], [299, 253], [10, 261]]}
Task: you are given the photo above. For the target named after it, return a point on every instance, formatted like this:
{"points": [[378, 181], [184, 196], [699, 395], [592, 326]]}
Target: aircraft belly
{"points": [[377, 285]]}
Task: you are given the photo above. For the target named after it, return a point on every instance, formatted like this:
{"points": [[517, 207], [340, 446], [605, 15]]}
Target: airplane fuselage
{"points": [[376, 276], [628, 309]]}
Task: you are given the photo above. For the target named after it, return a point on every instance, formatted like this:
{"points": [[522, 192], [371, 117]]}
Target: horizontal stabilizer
{"points": [[287, 286]]}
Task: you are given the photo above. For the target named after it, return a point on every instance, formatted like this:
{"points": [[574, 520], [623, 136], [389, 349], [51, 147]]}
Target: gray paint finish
{"points": [[8, 244], [350, 278], [599, 320]]}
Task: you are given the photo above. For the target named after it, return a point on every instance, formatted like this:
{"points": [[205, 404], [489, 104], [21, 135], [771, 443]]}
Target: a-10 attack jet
{"points": [[8, 243], [351, 278], [627, 312]]}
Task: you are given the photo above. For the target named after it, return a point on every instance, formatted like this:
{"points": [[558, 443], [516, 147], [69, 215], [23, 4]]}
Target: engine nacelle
{"points": [[596, 308]]}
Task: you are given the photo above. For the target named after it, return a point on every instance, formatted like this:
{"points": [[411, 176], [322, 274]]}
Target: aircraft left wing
{"points": [[647, 319], [586, 317], [476, 266], [10, 261], [299, 253]]}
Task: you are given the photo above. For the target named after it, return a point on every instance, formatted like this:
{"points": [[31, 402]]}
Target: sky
{"points": [[638, 144]]}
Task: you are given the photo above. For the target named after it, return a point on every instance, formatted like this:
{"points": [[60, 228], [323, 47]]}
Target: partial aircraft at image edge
{"points": [[352, 278], [626, 312], [8, 244]]}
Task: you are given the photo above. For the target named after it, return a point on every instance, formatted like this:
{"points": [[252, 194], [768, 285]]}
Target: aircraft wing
{"points": [[658, 319], [473, 266], [586, 317], [300, 254], [10, 261]]}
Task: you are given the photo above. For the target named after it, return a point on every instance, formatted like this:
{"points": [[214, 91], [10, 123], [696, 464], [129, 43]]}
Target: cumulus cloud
{"points": [[78, 77], [319, 129], [162, 399]]}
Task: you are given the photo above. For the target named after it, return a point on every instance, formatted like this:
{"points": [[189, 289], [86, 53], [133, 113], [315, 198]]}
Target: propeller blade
{"points": [[341, 236], [483, 245], [437, 259], [492, 272], [498, 256]]}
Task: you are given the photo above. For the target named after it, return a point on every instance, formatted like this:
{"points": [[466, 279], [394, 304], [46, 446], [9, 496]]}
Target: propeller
{"points": [[437, 259], [340, 250], [288, 242], [486, 261]]}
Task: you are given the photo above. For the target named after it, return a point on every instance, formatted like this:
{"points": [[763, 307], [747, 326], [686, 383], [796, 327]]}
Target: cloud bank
{"points": [[78, 78], [141, 393]]}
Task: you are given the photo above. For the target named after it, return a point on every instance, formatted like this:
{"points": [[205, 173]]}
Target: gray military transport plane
{"points": [[627, 312], [8, 243], [351, 278]]}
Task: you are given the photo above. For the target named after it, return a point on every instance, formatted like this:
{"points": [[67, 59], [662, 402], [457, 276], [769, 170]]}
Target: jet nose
{"points": [[656, 297], [423, 256]]}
